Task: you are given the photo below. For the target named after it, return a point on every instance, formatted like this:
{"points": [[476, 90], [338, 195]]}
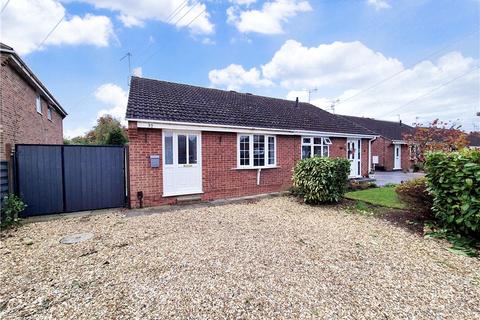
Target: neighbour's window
{"points": [[256, 151], [38, 104], [315, 146], [49, 113]]}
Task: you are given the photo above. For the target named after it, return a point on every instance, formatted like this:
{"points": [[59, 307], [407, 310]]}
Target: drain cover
{"points": [[75, 238]]}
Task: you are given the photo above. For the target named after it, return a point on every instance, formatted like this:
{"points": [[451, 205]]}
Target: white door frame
{"points": [[397, 157], [172, 175], [356, 160]]}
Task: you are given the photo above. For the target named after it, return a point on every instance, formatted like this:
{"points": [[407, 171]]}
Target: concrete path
{"points": [[383, 178]]}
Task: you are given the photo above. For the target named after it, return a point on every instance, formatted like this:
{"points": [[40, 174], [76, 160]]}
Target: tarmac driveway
{"points": [[396, 177]]}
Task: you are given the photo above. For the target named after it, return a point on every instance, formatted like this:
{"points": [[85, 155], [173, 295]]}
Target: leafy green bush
{"points": [[321, 180], [415, 194], [453, 179], [11, 208]]}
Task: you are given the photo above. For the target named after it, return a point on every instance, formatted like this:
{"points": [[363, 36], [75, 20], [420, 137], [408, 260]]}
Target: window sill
{"points": [[256, 168]]}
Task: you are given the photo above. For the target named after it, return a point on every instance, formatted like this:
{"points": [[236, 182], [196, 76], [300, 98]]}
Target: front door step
{"points": [[189, 199]]}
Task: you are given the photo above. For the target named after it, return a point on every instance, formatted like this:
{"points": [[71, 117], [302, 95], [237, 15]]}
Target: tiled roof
{"points": [[166, 101], [388, 129]]}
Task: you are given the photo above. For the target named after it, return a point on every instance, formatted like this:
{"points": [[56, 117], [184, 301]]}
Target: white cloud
{"points": [[379, 4], [115, 100], [328, 65], [234, 77], [243, 2], [75, 132], [136, 13], [342, 69], [137, 72], [26, 23], [269, 19]]}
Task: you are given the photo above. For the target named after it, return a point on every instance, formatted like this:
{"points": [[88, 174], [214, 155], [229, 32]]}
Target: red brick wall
{"points": [[384, 149], [220, 176], [19, 120]]}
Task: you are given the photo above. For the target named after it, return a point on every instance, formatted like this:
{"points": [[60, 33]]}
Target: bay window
{"points": [[256, 151], [315, 146]]}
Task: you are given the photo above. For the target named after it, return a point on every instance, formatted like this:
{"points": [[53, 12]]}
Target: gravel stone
{"points": [[275, 258]]}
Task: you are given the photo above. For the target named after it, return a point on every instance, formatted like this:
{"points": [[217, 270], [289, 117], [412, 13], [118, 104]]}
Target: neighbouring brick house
{"points": [[474, 140], [389, 150], [28, 111], [214, 144]]}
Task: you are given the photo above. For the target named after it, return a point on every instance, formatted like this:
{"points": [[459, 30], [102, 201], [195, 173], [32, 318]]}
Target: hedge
{"points": [[453, 179], [415, 194], [321, 180]]}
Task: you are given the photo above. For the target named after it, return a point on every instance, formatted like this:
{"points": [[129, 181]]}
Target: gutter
{"points": [[24, 68], [159, 124]]}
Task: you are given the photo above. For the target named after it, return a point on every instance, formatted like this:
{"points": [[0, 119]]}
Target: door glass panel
{"points": [[306, 152], [258, 150], [182, 149], [168, 150], [192, 149]]}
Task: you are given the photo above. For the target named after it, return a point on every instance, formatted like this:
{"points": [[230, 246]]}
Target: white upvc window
{"points": [[49, 113], [38, 104], [315, 146], [256, 151]]}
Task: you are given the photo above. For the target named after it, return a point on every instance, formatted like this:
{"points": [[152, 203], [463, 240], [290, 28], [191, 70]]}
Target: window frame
{"points": [[50, 113], [325, 142], [251, 154], [38, 104]]}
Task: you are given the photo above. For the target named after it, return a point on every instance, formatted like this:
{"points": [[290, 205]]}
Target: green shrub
{"points": [[453, 179], [11, 208], [415, 194], [321, 180]]}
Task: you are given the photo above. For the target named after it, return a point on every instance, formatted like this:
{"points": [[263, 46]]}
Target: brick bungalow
{"points": [[28, 112], [389, 151], [186, 140]]}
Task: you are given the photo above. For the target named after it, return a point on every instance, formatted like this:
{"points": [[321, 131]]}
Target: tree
{"points": [[105, 125], [108, 130], [436, 136], [116, 137]]}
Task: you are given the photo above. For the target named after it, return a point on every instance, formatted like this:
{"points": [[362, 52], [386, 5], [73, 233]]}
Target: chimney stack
{"points": [[296, 102]]}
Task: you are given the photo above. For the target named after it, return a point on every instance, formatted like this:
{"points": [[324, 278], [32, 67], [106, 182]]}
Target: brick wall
{"points": [[220, 176], [19, 120], [384, 149]]}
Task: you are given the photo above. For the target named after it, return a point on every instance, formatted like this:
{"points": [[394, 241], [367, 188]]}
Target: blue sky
{"points": [[428, 49]]}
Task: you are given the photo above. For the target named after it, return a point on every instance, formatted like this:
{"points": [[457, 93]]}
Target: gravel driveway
{"points": [[274, 258]]}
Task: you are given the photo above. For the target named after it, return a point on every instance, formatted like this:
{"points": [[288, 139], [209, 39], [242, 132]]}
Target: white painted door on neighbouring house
{"points": [[354, 155], [397, 165], [182, 163]]}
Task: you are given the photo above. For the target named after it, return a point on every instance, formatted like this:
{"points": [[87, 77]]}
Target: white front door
{"points": [[397, 154], [182, 163], [354, 155]]}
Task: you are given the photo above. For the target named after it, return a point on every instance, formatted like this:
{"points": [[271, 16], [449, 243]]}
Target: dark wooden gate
{"points": [[67, 178]]}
